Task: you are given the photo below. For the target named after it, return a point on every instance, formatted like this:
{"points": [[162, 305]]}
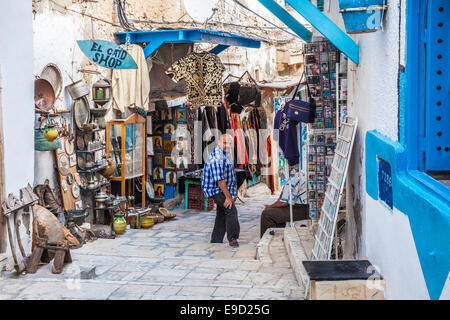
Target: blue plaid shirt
{"points": [[218, 167]]}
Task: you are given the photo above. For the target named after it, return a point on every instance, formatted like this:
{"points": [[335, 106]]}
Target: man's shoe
{"points": [[234, 243]]}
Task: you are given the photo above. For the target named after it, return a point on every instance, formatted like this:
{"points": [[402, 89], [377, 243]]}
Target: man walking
{"points": [[219, 182]]}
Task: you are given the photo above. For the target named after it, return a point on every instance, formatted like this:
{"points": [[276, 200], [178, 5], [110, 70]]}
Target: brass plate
{"points": [[75, 190], [80, 143], [81, 112], [81, 161], [63, 164], [68, 145]]}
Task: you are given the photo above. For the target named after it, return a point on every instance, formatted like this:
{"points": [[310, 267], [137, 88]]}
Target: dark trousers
{"points": [[226, 221], [277, 217]]}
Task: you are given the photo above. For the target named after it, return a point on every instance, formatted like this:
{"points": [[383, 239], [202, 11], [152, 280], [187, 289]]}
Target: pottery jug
{"points": [[119, 224], [146, 222], [50, 133]]}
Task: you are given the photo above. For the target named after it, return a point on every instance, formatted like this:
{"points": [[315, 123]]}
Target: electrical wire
{"points": [[121, 13], [261, 17], [84, 14]]}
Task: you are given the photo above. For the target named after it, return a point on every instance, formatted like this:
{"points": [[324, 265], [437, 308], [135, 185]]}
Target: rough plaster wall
{"points": [[16, 60]]}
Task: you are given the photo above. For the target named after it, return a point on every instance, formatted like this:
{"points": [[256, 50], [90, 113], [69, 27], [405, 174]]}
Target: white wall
{"points": [[16, 63], [382, 236], [16, 60]]}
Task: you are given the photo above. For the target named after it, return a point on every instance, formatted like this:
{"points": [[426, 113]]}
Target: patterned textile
{"points": [[241, 156], [203, 75], [298, 189], [218, 167]]}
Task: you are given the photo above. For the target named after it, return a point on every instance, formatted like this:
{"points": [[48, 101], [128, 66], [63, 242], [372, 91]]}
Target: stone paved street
{"points": [[172, 260]]}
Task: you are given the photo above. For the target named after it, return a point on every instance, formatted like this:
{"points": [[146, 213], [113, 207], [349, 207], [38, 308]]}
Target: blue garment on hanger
{"points": [[287, 138]]}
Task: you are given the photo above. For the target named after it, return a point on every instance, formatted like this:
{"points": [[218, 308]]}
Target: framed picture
{"points": [[182, 147], [169, 129], [157, 143], [158, 159], [181, 114], [323, 47], [168, 146], [78, 205], [73, 160], [182, 131], [312, 59], [182, 163], [168, 163], [171, 178], [158, 129], [158, 173], [167, 114], [159, 189]]}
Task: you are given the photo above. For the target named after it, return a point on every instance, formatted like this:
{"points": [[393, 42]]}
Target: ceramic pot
{"points": [[51, 133], [146, 222], [119, 224]]}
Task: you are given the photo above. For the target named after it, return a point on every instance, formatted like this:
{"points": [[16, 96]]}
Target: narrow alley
{"points": [[172, 260]]}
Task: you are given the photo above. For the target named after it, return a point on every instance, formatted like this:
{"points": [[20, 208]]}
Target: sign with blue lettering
{"points": [[385, 182], [107, 54]]}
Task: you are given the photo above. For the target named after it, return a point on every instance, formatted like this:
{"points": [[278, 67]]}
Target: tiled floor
{"points": [[172, 260]]}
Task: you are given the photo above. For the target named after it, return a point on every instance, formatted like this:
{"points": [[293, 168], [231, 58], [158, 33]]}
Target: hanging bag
{"points": [[302, 111]]}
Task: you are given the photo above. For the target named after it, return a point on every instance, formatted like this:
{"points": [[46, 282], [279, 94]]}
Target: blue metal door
{"points": [[436, 115]]}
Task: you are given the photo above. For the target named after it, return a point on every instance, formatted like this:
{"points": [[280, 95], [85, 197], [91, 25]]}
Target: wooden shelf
{"points": [[90, 151]]}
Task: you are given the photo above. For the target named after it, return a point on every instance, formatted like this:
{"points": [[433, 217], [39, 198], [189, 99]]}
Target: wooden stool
{"points": [[44, 251]]}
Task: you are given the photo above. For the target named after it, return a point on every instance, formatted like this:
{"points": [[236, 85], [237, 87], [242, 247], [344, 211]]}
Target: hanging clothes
{"points": [[203, 75], [270, 165], [241, 156], [222, 120], [131, 87], [287, 136], [240, 95]]}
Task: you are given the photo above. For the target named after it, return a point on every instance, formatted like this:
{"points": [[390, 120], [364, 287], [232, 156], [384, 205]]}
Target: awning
{"points": [[156, 38], [318, 20]]}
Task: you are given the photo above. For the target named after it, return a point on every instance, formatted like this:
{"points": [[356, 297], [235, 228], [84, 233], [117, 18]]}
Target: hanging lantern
{"points": [[101, 92]]}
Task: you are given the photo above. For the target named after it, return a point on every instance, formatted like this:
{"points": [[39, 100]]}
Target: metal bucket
{"points": [[362, 16], [42, 144], [77, 90]]}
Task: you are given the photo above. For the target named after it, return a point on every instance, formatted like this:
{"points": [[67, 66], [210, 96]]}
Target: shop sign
{"points": [[385, 182], [107, 54]]}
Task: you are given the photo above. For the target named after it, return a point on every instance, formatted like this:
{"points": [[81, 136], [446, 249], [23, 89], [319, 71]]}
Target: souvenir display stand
{"points": [[325, 68], [166, 132], [125, 142], [320, 67]]}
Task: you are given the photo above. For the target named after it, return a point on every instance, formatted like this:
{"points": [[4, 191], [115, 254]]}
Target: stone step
{"points": [[297, 253]]}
